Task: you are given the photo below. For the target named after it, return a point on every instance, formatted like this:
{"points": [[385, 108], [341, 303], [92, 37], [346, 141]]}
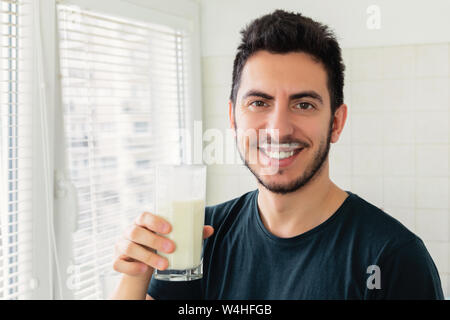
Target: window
{"points": [[124, 99], [83, 118], [16, 160], [141, 127]]}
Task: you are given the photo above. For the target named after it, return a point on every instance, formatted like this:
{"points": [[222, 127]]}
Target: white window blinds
{"points": [[124, 100], [15, 144]]}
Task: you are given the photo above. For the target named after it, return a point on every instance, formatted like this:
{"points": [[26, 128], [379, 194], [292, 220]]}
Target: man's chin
{"points": [[281, 188], [274, 182]]}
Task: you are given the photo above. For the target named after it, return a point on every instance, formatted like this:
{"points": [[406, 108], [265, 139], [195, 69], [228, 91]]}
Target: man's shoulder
{"points": [[214, 214], [379, 226], [398, 252]]}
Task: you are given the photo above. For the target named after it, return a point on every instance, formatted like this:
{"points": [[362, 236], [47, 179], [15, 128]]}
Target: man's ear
{"points": [[230, 115], [340, 117]]}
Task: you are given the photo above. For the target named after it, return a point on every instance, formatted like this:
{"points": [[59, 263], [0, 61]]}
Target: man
{"points": [[298, 236]]}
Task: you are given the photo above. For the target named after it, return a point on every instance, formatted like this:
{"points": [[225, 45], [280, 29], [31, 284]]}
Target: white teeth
{"points": [[280, 155], [278, 146]]}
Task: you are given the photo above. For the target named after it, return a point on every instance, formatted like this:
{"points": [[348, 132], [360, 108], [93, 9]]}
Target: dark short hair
{"points": [[283, 32]]}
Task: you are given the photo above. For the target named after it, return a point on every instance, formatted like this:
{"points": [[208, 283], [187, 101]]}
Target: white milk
{"points": [[187, 219]]}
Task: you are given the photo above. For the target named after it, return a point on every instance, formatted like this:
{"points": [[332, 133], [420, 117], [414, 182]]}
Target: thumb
{"points": [[207, 231]]}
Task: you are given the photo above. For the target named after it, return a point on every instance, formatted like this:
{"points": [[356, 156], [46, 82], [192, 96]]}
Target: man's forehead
{"points": [[290, 71]]}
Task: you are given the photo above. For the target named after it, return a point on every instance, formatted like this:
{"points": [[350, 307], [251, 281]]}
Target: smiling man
{"points": [[299, 236]]}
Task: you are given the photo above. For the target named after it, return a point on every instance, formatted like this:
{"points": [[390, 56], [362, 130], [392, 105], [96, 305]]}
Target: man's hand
{"points": [[136, 250]]}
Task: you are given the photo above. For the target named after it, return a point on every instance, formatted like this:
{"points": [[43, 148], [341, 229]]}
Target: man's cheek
{"points": [[247, 141]]}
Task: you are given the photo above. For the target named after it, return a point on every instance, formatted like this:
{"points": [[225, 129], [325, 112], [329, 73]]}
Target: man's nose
{"points": [[281, 119]]}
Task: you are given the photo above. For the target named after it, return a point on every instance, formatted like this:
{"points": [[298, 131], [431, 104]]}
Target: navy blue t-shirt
{"points": [[360, 252]]}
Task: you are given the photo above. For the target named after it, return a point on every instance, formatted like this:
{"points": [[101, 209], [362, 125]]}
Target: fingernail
{"points": [[165, 227], [161, 264], [167, 246]]}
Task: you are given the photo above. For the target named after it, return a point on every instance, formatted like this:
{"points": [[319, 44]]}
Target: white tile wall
{"points": [[432, 160], [431, 94], [367, 128], [397, 62], [367, 96], [432, 60], [343, 181], [431, 127], [398, 128], [432, 224], [398, 160], [398, 95], [367, 64], [367, 160], [432, 192], [394, 149], [398, 192], [341, 155]]}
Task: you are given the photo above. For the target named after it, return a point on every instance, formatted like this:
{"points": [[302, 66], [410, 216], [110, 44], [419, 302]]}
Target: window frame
{"points": [[43, 155]]}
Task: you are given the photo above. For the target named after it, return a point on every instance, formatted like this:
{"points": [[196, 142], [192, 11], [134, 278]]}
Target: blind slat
{"points": [[98, 18], [123, 33]]}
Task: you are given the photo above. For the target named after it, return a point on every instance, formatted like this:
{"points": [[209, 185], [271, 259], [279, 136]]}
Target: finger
{"points": [[153, 222], [131, 268], [149, 239], [139, 253], [207, 231]]}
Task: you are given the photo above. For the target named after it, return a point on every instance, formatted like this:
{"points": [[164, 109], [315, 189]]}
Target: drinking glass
{"points": [[180, 199]]}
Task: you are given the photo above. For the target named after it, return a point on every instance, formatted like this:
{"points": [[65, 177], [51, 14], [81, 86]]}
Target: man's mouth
{"points": [[279, 155], [281, 151]]}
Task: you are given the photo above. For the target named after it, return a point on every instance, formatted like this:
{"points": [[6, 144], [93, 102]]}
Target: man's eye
{"points": [[304, 105], [258, 103]]}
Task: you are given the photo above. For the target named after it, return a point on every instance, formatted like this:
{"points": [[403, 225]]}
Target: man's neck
{"points": [[294, 213]]}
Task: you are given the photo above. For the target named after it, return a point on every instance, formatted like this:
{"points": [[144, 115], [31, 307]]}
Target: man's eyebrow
{"points": [[256, 93], [310, 93]]}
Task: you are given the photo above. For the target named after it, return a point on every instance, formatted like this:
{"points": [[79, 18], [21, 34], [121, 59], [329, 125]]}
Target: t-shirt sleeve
{"points": [[175, 290], [408, 272]]}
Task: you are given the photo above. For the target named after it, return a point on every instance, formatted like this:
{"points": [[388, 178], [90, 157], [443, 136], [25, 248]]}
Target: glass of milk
{"points": [[180, 199]]}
